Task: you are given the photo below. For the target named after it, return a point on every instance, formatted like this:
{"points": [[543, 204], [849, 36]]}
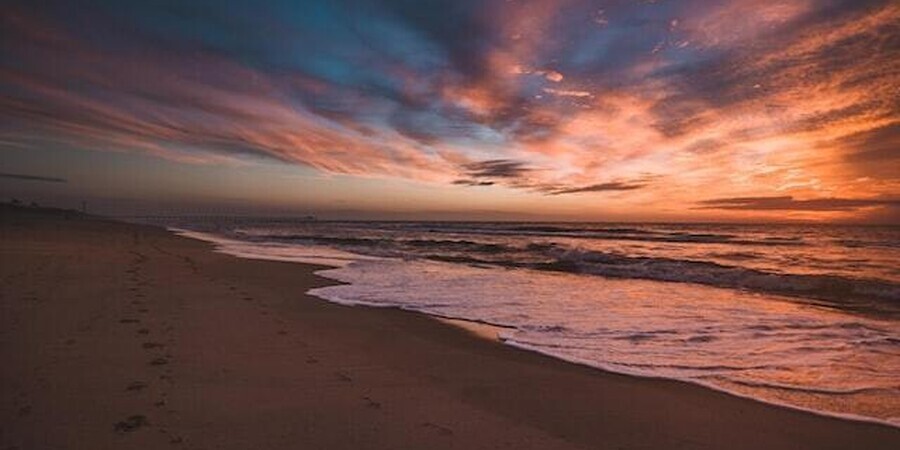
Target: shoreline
{"points": [[441, 386], [491, 332]]}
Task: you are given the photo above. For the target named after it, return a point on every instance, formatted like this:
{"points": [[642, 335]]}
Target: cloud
{"points": [[496, 168], [187, 105], [615, 186], [788, 203], [16, 176], [567, 92], [553, 76], [473, 183], [874, 153], [779, 98]]}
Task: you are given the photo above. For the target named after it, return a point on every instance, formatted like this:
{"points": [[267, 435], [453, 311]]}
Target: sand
{"points": [[116, 336]]}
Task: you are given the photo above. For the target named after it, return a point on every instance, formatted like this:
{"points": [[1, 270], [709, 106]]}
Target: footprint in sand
{"points": [[343, 377], [372, 403], [136, 386], [443, 431], [130, 424]]}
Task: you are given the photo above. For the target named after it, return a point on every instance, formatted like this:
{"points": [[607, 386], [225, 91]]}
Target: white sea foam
{"points": [[319, 255]]}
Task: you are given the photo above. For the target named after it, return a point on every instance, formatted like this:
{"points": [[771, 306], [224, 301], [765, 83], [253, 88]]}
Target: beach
{"points": [[117, 335]]}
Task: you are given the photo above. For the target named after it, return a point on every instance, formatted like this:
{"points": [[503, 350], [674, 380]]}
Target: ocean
{"points": [[805, 316]]}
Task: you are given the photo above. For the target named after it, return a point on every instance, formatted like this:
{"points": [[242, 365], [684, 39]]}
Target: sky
{"points": [[619, 110]]}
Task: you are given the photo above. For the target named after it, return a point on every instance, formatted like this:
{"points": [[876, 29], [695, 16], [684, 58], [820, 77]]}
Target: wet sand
{"points": [[120, 336]]}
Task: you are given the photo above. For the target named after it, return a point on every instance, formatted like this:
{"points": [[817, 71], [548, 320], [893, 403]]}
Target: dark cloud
{"points": [[473, 183], [16, 176], [875, 151], [496, 168], [736, 75], [461, 28], [614, 186], [705, 146], [788, 203]]}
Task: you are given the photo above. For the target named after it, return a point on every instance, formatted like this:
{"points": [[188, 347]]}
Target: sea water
{"points": [[802, 316]]}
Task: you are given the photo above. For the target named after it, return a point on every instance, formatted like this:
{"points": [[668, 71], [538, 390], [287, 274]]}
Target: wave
{"points": [[808, 389], [574, 231], [623, 234], [835, 290], [849, 293], [392, 247], [563, 229], [831, 288]]}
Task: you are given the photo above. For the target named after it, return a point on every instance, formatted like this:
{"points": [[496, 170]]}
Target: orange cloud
{"points": [[743, 99]]}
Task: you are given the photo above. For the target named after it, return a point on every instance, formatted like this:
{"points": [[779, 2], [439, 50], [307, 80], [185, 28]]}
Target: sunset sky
{"points": [[456, 109]]}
